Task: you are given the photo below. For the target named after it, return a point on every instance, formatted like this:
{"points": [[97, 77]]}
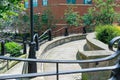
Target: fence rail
{"points": [[114, 68]]}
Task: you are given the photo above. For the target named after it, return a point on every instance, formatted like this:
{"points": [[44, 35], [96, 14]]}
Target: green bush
{"points": [[13, 48], [71, 17], [106, 33]]}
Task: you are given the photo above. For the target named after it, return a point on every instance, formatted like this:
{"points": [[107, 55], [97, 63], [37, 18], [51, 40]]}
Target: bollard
{"points": [[24, 47], [3, 48], [66, 31], [37, 42], [49, 35], [84, 30]]}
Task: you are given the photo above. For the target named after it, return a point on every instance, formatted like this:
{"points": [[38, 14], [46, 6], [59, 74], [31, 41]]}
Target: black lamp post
{"points": [[32, 66]]}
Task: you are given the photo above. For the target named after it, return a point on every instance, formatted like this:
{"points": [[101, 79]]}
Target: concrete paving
{"points": [[66, 51]]}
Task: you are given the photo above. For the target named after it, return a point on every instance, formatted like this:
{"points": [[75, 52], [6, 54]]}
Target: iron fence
{"points": [[114, 74]]}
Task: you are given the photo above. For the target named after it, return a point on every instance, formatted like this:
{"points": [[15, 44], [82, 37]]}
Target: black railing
{"points": [[114, 74]]}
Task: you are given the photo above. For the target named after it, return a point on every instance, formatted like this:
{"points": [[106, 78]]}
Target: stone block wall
{"points": [[96, 49]]}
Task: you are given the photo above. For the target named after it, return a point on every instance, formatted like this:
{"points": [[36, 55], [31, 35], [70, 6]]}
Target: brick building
{"points": [[58, 6]]}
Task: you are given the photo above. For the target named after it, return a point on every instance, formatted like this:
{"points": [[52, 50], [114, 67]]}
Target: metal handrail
{"points": [[63, 61], [60, 73], [115, 54], [58, 30], [35, 35], [44, 33], [111, 43], [57, 62]]}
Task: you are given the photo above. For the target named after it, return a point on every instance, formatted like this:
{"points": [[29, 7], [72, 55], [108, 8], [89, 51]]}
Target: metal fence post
{"points": [[32, 66], [84, 29], [24, 46], [7, 64], [3, 48], [57, 71], [37, 42], [66, 31], [49, 35], [115, 74]]}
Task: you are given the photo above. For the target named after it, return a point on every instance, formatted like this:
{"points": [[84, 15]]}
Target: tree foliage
{"points": [[88, 18], [104, 11], [47, 18], [8, 10], [71, 17]]}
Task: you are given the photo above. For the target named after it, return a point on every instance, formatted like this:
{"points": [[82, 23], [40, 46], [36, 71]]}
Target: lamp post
{"points": [[32, 66]]}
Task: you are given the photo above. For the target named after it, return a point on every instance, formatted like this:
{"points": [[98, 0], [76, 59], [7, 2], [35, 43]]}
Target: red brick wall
{"points": [[58, 7]]}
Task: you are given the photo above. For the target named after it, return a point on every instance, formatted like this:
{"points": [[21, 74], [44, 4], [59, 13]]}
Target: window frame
{"points": [[35, 3], [71, 1], [86, 2], [26, 4], [44, 2]]}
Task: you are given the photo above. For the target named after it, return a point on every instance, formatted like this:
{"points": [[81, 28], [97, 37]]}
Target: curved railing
{"points": [[45, 36], [115, 68], [59, 32]]}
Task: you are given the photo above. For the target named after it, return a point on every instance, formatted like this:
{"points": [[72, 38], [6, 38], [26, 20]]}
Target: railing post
{"points": [[32, 66], [7, 65], [57, 71], [24, 46], [37, 42], [49, 35], [84, 29], [3, 48], [66, 31], [115, 74]]}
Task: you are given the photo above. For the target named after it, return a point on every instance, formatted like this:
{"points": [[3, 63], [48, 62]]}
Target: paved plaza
{"points": [[65, 51]]}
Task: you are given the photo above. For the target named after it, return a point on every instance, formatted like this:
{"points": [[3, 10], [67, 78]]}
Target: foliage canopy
{"points": [[71, 17]]}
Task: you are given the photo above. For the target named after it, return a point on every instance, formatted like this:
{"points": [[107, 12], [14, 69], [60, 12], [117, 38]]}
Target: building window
{"points": [[26, 3], [35, 3], [87, 1], [44, 2], [71, 1]]}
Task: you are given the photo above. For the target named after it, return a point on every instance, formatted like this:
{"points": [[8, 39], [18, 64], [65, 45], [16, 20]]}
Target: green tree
{"points": [[37, 23], [88, 19], [104, 11], [71, 17], [47, 18], [8, 10]]}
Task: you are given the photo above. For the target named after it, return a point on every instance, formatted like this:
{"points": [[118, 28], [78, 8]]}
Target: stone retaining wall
{"points": [[59, 41], [94, 44], [96, 49]]}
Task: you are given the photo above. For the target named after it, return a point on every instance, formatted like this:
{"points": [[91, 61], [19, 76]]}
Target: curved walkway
{"points": [[66, 51]]}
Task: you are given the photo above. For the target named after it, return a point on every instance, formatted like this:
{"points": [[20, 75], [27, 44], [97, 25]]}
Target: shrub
{"points": [[71, 17], [88, 18], [105, 13], [106, 33], [13, 48]]}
